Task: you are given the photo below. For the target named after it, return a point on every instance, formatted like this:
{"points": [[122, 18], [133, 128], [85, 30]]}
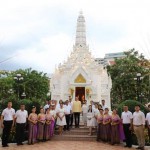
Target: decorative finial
{"points": [[80, 31], [81, 12]]}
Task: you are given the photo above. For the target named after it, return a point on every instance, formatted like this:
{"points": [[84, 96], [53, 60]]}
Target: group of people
{"points": [[110, 127], [114, 128], [40, 126]]}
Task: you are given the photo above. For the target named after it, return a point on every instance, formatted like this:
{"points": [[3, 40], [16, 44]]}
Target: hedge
{"points": [[131, 105]]}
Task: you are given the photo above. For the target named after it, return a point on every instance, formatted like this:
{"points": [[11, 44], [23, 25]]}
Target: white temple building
{"points": [[80, 75]]}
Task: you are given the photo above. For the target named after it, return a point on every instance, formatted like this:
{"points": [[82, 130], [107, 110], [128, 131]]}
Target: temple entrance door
{"points": [[80, 92]]}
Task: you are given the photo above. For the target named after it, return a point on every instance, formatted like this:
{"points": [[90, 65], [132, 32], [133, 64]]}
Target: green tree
{"points": [[35, 84], [6, 83], [123, 72]]}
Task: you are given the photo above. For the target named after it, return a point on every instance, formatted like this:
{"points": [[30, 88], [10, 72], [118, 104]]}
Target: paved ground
{"points": [[67, 145]]}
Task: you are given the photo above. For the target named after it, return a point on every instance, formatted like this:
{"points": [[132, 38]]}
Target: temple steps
{"points": [[69, 137], [76, 134]]}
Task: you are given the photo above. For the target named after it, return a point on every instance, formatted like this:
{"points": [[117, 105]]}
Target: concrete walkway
{"points": [[68, 145]]}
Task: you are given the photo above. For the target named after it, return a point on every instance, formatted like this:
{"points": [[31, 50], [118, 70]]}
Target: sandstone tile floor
{"points": [[67, 145]]}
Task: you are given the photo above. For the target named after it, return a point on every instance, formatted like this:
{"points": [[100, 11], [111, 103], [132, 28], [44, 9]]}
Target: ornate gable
{"points": [[80, 79]]}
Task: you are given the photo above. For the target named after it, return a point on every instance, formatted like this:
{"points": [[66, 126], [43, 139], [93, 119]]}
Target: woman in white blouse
{"points": [[90, 119], [61, 120]]}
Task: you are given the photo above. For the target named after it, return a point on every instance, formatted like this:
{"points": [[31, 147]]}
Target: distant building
{"points": [[109, 58], [114, 55]]}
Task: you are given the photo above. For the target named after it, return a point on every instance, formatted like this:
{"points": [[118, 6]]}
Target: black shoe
{"points": [[138, 148], [5, 146], [126, 146], [130, 146]]}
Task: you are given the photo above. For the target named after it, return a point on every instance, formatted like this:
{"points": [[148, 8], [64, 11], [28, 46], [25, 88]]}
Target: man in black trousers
{"points": [[127, 125], [71, 115], [7, 119], [20, 119], [67, 115]]}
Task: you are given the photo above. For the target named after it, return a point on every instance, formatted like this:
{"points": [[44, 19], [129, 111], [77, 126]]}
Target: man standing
{"points": [[103, 105], [76, 108], [148, 122], [71, 115], [47, 105], [127, 117], [21, 118], [138, 126], [67, 114], [7, 119]]}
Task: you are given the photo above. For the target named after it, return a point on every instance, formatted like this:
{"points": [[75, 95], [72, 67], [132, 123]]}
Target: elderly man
{"points": [[76, 109]]}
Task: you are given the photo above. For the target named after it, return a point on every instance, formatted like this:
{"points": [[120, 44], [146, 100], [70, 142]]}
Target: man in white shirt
{"points": [[20, 118], [127, 117], [92, 104], [7, 119], [71, 115], [46, 106], [138, 126], [148, 122], [104, 105], [68, 111]]}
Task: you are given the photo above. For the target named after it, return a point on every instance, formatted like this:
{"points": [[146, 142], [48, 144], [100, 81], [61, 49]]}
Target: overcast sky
{"points": [[40, 33]]}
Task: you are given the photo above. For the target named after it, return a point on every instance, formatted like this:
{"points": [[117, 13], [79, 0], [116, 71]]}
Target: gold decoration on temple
{"points": [[80, 79]]}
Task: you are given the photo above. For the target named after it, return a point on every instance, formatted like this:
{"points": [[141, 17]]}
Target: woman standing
{"points": [[61, 120], [41, 123], [96, 113], [84, 112], [32, 126], [106, 126], [100, 125], [53, 114], [48, 118], [90, 119], [115, 135]]}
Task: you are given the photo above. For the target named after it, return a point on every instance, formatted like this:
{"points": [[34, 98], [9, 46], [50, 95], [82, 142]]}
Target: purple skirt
{"points": [[121, 132], [52, 128], [47, 135], [115, 136], [107, 132], [32, 133], [40, 133], [100, 133]]}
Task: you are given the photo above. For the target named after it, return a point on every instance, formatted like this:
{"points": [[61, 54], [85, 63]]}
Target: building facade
{"points": [[80, 75], [109, 58]]}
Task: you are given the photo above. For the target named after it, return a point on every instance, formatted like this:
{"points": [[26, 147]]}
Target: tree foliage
{"points": [[123, 73], [35, 84]]}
